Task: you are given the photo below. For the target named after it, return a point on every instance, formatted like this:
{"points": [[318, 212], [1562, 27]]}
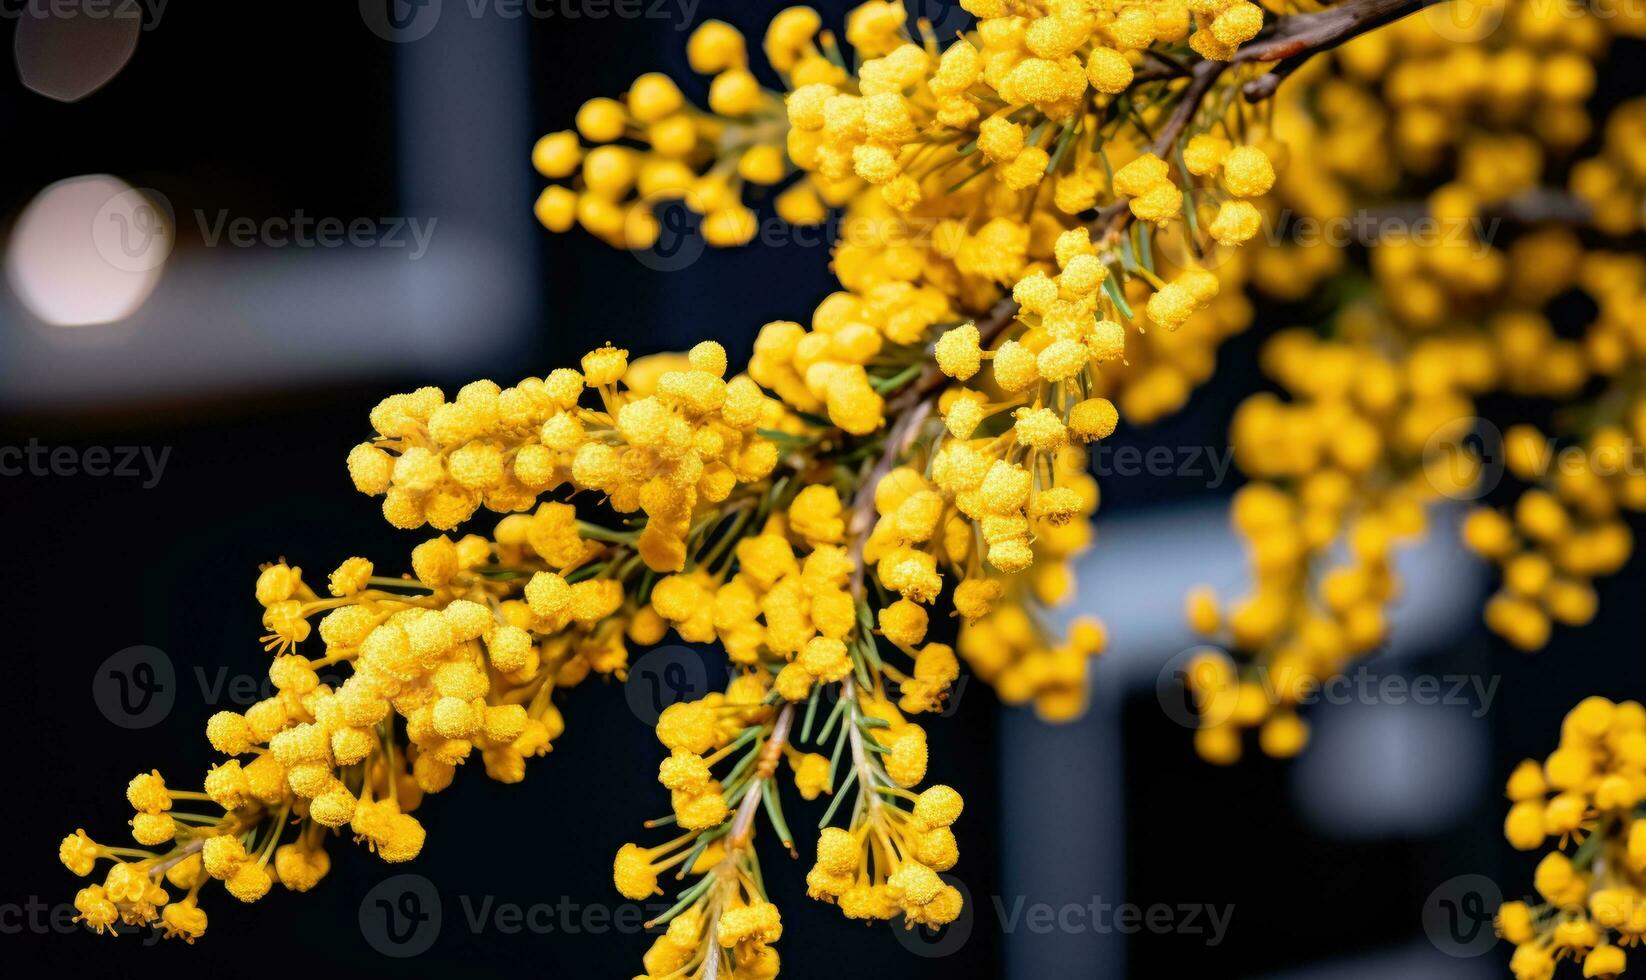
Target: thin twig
{"points": [[1201, 80], [738, 837], [989, 326]]}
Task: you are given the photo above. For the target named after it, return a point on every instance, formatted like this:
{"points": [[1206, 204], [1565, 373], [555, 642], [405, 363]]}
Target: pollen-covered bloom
{"points": [[1589, 903]]}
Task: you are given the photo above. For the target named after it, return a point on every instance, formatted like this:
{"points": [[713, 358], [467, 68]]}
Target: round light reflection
{"points": [[89, 250]]}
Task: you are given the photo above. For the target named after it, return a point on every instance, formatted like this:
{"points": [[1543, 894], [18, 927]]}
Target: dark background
{"points": [[263, 110]]}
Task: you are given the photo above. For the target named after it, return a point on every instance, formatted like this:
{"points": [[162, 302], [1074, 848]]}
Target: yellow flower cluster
{"points": [[786, 608], [1009, 650], [1567, 528], [466, 653], [1162, 367], [705, 160], [1039, 235], [1491, 116], [1347, 462], [1591, 903], [1037, 96], [1372, 436], [886, 861], [1381, 411], [913, 120], [1533, 73], [667, 441], [912, 110], [1613, 183]]}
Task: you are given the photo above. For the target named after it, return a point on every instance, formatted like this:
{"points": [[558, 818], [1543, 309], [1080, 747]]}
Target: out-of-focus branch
{"points": [[1294, 39], [1538, 206]]}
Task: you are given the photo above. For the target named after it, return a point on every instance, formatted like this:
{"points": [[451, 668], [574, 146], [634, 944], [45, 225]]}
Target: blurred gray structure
{"points": [[227, 318]]}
